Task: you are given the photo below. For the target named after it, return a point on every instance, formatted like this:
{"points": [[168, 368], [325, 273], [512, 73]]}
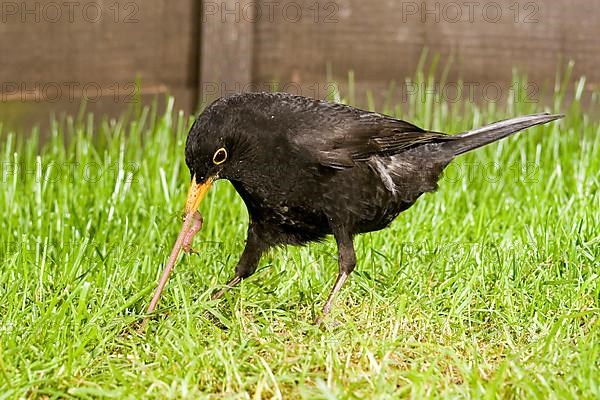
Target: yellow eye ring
{"points": [[220, 156]]}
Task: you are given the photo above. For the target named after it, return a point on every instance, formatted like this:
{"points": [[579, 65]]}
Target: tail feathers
{"points": [[488, 134]]}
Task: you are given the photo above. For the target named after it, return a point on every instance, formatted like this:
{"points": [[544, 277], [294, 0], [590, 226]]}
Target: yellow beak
{"points": [[196, 194]]}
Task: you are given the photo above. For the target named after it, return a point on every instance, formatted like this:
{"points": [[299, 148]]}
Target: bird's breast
{"points": [[294, 218]]}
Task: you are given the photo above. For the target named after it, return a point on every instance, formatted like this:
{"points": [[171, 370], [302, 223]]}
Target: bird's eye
{"points": [[220, 156]]}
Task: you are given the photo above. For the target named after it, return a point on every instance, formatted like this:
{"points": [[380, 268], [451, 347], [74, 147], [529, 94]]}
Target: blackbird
{"points": [[307, 168]]}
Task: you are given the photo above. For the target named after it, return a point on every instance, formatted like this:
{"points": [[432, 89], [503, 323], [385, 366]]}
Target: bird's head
{"points": [[218, 146]]}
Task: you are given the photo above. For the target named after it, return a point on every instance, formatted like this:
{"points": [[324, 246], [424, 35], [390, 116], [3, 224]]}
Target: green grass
{"points": [[488, 288]]}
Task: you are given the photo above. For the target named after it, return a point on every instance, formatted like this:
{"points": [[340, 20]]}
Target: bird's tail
{"points": [[476, 138]]}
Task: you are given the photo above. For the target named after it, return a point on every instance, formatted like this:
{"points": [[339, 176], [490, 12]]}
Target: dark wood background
{"points": [[51, 56]]}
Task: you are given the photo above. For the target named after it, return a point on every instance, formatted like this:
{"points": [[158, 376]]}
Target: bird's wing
{"points": [[343, 141]]}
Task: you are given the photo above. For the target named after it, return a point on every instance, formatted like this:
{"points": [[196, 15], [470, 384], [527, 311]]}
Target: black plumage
{"points": [[307, 168]]}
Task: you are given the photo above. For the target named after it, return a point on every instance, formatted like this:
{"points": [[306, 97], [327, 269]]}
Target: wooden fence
{"points": [[53, 53]]}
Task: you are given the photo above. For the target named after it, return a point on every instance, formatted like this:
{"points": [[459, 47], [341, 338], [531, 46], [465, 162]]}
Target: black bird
{"points": [[307, 168]]}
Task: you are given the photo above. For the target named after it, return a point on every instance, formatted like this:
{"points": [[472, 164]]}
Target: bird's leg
{"points": [[254, 249], [346, 264]]}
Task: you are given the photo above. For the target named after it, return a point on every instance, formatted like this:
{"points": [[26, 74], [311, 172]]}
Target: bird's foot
{"points": [[324, 312], [217, 294], [339, 282], [326, 323]]}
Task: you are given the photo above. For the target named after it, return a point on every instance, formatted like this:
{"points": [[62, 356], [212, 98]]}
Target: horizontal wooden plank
{"points": [[101, 42], [486, 39], [96, 49]]}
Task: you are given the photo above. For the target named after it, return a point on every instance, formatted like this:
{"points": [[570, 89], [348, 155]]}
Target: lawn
{"points": [[488, 288]]}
